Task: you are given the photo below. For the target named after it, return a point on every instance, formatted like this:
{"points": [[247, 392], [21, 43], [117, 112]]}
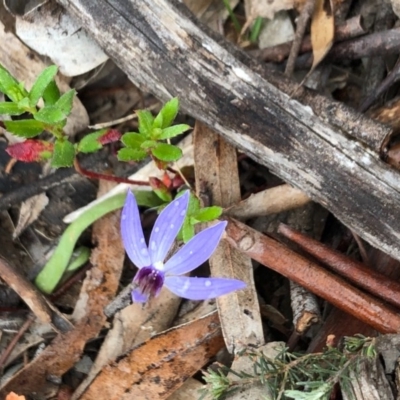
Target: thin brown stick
{"points": [[71, 281], [334, 289], [302, 22], [392, 78], [375, 44], [361, 248], [362, 276], [43, 310], [4, 356], [111, 178], [350, 29], [375, 68]]}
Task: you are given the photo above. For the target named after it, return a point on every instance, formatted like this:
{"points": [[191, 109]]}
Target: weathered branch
{"points": [[319, 146]]}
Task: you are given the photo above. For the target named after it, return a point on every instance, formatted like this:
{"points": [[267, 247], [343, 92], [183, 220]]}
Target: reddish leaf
{"points": [[31, 150], [109, 136], [166, 180]]}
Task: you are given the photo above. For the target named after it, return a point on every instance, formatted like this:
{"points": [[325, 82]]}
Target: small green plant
{"points": [[152, 132], [293, 376], [40, 115], [52, 117]]}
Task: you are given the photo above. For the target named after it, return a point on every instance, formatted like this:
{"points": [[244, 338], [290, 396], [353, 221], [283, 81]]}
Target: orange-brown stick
{"points": [[370, 280], [334, 289]]}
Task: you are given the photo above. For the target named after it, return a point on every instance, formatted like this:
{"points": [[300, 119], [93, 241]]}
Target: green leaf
{"points": [[168, 113], [64, 103], [128, 154], [64, 154], [148, 144], [173, 131], [158, 121], [132, 139], [90, 143], [166, 152], [41, 83], [8, 108], [10, 86], [235, 21], [51, 94], [163, 195], [79, 257], [256, 29], [147, 198], [187, 230], [27, 128], [24, 103], [207, 214], [145, 122], [194, 205], [160, 189], [156, 133], [50, 115]]}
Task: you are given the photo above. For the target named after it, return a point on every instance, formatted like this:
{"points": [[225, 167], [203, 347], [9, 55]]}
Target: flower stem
{"points": [[111, 178]]}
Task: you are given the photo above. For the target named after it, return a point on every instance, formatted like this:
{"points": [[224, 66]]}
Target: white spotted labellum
{"points": [[154, 272]]}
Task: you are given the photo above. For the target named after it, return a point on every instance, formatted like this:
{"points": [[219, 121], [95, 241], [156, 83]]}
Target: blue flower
{"points": [[154, 272]]}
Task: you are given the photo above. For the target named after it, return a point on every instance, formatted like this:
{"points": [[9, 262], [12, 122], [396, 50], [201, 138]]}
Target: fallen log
{"points": [[319, 146]]}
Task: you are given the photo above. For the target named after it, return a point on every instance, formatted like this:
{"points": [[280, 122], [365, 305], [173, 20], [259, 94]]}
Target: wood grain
{"points": [[321, 147]]}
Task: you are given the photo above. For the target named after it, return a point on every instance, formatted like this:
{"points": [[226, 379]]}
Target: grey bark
{"points": [[323, 148]]}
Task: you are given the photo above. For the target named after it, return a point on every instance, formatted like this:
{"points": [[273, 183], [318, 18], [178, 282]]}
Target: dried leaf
{"points": [[29, 212], [190, 390], [322, 30], [276, 31], [155, 369], [210, 12], [265, 9], [216, 174], [396, 7], [51, 32], [131, 327], [245, 365]]}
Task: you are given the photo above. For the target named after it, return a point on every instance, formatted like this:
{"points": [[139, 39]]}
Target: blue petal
{"points": [[196, 251], [201, 288], [138, 296], [167, 227], [132, 233]]}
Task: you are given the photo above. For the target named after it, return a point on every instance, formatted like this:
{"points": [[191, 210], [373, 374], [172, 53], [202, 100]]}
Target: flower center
{"points": [[149, 280]]}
